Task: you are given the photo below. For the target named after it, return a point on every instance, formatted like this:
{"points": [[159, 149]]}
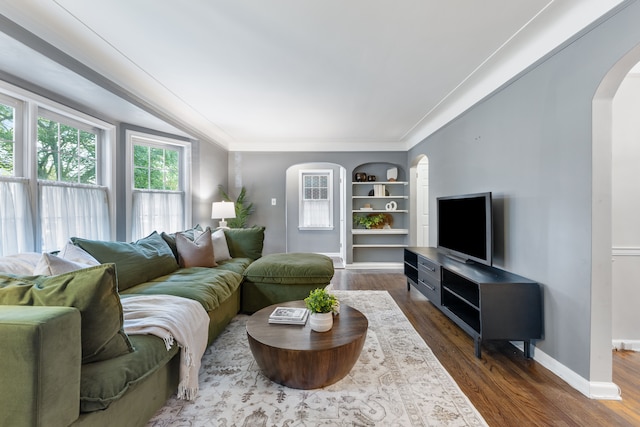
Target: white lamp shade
{"points": [[222, 210]]}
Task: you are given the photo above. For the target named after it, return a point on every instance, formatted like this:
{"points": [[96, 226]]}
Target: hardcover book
{"points": [[289, 315]]}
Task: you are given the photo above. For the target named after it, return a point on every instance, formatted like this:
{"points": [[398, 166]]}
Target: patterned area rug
{"points": [[397, 381]]}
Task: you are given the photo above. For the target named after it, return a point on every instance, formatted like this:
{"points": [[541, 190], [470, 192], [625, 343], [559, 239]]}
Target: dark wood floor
{"points": [[506, 388]]}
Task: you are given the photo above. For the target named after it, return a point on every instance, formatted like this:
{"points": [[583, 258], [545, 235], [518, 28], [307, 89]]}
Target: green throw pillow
{"points": [[92, 290], [245, 242], [136, 262]]}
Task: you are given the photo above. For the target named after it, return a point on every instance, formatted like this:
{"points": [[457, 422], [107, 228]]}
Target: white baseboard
{"points": [[633, 345], [591, 389], [375, 265]]}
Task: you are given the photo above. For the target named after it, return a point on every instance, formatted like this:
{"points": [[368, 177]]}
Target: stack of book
{"points": [[378, 190], [289, 315]]}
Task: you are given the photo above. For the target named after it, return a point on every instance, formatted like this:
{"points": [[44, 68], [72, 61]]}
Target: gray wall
{"points": [[264, 176], [531, 145], [211, 171]]}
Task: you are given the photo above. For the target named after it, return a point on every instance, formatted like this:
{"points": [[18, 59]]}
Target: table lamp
{"points": [[222, 210]]}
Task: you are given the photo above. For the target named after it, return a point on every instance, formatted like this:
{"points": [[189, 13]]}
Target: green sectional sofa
{"points": [[55, 369], [65, 359]]}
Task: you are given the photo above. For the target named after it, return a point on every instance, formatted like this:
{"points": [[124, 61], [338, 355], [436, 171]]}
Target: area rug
{"points": [[397, 381]]}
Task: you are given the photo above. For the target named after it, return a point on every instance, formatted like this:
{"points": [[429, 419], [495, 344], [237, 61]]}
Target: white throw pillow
{"points": [[19, 264], [70, 258], [51, 265], [220, 247], [74, 253]]}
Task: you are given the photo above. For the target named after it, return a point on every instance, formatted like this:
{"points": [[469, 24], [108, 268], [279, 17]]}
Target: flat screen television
{"points": [[465, 227]]}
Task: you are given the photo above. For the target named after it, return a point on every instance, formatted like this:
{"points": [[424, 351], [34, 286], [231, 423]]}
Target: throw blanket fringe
{"points": [[174, 319]]}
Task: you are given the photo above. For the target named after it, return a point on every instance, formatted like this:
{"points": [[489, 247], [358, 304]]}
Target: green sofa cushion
{"points": [[104, 382], [208, 286], [135, 262], [245, 242], [92, 290], [237, 265], [291, 269]]}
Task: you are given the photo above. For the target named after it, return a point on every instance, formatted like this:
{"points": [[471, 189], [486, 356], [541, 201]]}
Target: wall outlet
{"points": [[273, 202]]}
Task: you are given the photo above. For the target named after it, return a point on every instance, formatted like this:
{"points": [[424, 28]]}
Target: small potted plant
{"points": [[322, 305], [368, 221]]}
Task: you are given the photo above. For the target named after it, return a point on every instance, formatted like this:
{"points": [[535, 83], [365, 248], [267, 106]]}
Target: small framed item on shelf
{"points": [[289, 315]]}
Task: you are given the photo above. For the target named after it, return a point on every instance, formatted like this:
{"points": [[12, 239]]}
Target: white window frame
{"points": [[134, 137], [25, 162], [301, 207]]}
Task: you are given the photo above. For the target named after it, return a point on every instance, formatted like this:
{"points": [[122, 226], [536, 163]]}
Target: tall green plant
{"points": [[243, 208]]}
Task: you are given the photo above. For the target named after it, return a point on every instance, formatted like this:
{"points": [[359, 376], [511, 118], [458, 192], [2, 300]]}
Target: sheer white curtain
{"points": [[316, 214], [16, 221], [156, 211], [68, 210]]}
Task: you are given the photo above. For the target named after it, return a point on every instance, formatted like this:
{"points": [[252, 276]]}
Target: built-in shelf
{"points": [[380, 231], [381, 197], [379, 211], [379, 246], [389, 198], [380, 182]]}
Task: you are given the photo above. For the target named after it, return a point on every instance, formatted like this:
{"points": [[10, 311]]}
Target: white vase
{"points": [[321, 322]]}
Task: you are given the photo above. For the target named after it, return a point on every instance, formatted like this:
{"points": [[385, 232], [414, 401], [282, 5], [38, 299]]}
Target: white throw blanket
{"points": [[172, 318]]}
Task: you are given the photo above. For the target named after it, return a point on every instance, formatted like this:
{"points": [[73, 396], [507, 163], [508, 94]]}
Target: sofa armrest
{"points": [[40, 360]]}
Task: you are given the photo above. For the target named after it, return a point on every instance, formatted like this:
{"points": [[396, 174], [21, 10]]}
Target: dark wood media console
{"points": [[486, 302]]}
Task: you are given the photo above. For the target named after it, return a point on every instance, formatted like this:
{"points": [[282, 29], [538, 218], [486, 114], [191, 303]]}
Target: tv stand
{"points": [[486, 302], [456, 258]]}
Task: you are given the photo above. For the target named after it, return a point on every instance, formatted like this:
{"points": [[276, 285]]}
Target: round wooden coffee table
{"points": [[296, 356]]}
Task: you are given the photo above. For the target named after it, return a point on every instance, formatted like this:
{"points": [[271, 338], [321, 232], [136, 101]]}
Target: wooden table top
{"points": [[348, 326]]}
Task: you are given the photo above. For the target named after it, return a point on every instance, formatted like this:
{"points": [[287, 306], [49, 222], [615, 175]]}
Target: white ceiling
{"points": [[330, 75]]}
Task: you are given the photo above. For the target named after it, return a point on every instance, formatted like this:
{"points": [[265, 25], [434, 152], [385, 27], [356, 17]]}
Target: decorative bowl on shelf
{"points": [[360, 177]]}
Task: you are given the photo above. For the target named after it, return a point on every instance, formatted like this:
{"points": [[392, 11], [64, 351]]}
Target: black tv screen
{"points": [[465, 227]]}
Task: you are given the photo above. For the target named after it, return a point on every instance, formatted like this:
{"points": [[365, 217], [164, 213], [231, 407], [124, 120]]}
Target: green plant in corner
{"points": [[321, 301], [368, 221], [243, 208]]}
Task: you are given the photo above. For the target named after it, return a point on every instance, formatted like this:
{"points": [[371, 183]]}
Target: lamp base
{"points": [[223, 224]]}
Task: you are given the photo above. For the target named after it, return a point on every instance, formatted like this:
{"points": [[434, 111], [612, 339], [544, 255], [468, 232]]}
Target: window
{"points": [[16, 220], [55, 173], [160, 196], [316, 200], [71, 201]]}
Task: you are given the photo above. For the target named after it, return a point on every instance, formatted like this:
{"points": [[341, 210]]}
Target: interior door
{"points": [[422, 202]]}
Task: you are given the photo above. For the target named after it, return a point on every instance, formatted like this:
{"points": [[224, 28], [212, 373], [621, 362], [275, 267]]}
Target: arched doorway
{"points": [[601, 225], [419, 196], [326, 240]]}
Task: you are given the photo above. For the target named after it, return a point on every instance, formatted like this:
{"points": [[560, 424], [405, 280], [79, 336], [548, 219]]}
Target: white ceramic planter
{"points": [[321, 322]]}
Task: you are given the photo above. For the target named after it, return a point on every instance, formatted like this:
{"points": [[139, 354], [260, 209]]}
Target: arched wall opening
{"points": [[601, 220]]}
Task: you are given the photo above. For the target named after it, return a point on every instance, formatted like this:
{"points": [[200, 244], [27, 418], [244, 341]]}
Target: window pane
{"points": [[141, 178], [7, 125], [141, 156], [157, 158], [47, 149], [6, 158], [172, 180], [156, 180], [171, 159]]}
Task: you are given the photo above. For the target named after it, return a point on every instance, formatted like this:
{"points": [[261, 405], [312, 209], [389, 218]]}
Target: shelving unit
{"points": [[486, 302], [382, 245]]}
